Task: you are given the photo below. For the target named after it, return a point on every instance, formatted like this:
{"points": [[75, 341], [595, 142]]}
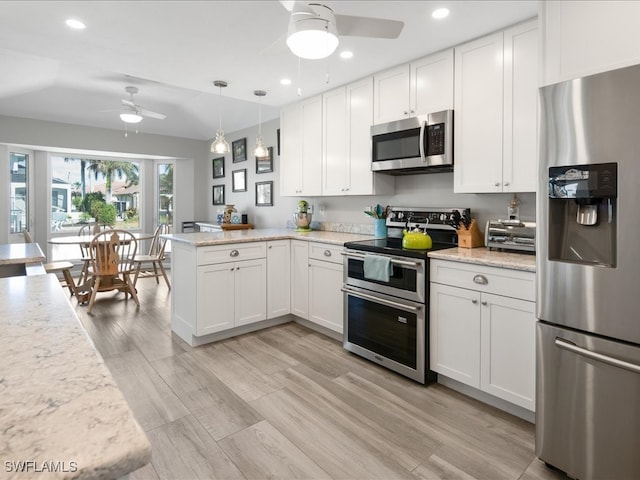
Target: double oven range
{"points": [[387, 322]]}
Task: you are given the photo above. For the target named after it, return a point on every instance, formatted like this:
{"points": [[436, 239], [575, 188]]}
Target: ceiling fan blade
{"points": [[368, 27], [288, 4], [150, 114], [128, 103]]}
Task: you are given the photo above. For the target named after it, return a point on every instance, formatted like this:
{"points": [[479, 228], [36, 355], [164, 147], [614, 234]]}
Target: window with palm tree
{"points": [[88, 190]]}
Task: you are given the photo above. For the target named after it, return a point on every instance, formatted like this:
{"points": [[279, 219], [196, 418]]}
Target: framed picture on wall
{"points": [[239, 180], [264, 194], [218, 194], [265, 164], [278, 140], [218, 167], [239, 150]]}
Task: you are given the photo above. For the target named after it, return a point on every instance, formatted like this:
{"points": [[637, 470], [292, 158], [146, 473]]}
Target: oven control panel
{"points": [[438, 218]]}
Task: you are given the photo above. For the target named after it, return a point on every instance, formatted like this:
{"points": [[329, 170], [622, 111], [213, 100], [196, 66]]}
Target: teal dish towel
{"points": [[377, 267]]}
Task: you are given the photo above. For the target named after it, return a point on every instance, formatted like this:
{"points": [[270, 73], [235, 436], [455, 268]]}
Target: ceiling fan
{"points": [[314, 28], [132, 112]]}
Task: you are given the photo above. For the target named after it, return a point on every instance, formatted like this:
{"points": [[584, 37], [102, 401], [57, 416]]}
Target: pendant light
{"points": [[220, 144], [260, 150]]}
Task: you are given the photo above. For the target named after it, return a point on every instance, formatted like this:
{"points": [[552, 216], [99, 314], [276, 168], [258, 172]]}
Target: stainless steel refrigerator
{"points": [[588, 277]]}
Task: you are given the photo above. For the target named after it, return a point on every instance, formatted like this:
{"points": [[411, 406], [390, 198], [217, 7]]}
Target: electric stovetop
{"points": [[393, 246]]}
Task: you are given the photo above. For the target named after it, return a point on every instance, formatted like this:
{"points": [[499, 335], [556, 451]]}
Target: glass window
{"points": [[18, 203], [89, 190]]}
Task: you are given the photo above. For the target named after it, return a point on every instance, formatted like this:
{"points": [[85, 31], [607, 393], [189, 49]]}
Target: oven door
{"points": [[386, 330], [407, 280]]}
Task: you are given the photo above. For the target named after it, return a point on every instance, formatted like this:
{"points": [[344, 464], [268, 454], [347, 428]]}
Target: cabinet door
{"points": [[250, 291], [215, 294], [359, 121], [334, 155], [300, 278], [508, 349], [391, 95], [520, 108], [290, 151], [278, 278], [454, 328], [325, 296], [311, 143], [432, 83], [479, 115]]}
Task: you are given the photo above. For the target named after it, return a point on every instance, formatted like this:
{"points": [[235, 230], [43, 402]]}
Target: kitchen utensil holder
{"points": [[380, 227], [470, 237]]}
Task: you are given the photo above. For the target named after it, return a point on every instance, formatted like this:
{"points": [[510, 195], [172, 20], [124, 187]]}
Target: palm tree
{"points": [[83, 167], [109, 168]]}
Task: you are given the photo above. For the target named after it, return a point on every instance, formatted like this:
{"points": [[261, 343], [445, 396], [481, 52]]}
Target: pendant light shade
{"points": [[130, 117], [260, 150], [220, 144]]}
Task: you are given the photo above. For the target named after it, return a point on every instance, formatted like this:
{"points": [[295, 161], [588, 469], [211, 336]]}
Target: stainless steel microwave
{"points": [[422, 144]]}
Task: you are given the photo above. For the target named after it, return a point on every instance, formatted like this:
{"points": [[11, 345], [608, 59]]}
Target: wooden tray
{"points": [[236, 226]]}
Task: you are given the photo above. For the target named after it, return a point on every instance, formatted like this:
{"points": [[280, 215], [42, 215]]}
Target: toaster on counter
{"points": [[511, 235]]}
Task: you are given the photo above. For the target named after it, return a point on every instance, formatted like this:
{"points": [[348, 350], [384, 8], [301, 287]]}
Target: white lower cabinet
{"points": [[300, 278], [325, 283], [231, 295], [278, 278], [316, 282], [482, 329]]}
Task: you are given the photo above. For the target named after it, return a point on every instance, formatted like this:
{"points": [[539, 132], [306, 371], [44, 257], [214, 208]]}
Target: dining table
{"points": [[84, 290]]}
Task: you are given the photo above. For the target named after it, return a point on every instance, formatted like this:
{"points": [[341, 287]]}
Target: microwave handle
{"points": [[423, 127]]}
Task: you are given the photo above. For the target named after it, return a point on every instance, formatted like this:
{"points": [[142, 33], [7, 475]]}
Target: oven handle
{"points": [[383, 301], [393, 260]]}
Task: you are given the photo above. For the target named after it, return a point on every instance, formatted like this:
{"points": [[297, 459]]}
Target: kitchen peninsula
{"points": [[233, 282], [61, 412]]}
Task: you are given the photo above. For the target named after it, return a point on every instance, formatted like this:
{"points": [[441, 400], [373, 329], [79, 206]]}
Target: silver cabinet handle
{"points": [[506, 184], [270, 246], [234, 253], [327, 253], [481, 279], [615, 362], [382, 301], [497, 184], [484, 302], [474, 301]]}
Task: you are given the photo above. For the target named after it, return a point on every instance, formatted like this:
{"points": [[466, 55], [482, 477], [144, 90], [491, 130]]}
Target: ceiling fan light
{"points": [[129, 117], [312, 38], [220, 144]]}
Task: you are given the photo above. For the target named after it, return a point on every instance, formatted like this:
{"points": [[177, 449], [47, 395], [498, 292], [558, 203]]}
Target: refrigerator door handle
{"points": [[572, 347]]}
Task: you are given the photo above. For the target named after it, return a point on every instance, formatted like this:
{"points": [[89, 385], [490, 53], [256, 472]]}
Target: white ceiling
{"points": [[174, 50]]}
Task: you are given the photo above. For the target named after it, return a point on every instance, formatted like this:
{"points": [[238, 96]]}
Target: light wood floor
{"points": [[287, 402]]}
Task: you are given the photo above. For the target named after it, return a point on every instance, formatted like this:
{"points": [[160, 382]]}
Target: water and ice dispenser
{"points": [[582, 213]]}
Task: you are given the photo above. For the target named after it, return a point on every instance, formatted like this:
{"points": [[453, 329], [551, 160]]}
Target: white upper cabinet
{"points": [[423, 86], [583, 38], [301, 148], [496, 81], [347, 117]]}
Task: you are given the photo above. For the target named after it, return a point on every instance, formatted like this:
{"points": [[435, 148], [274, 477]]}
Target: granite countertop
{"points": [[491, 258], [202, 239], [20, 253], [59, 405]]}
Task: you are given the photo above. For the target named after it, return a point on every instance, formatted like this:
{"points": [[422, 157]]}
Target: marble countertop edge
{"points": [[483, 256]]}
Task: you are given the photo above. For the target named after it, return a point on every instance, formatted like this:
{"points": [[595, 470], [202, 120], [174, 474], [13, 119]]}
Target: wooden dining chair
{"points": [[112, 253], [56, 267], [153, 260], [89, 230]]}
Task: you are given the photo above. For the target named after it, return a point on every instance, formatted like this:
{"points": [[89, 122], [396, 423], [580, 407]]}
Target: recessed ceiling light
{"points": [[75, 24], [285, 81], [346, 54], [440, 13]]}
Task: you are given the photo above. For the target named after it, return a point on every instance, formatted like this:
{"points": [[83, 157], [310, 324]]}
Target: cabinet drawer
{"points": [[325, 252], [232, 252], [499, 281]]}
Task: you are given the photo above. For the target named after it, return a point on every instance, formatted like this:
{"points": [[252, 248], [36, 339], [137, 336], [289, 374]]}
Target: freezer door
{"points": [[588, 404]]}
